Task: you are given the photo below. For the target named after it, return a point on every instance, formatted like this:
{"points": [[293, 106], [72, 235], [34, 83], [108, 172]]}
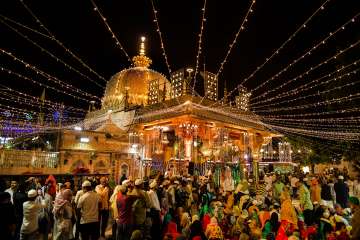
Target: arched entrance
{"points": [[124, 170]]}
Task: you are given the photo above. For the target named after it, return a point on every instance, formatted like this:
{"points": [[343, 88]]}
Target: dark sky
{"points": [[78, 26]]}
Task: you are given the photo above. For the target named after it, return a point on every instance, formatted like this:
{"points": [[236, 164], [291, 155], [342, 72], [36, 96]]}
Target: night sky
{"points": [[272, 22]]}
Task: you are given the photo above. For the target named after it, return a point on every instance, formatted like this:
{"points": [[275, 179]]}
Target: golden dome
{"points": [[136, 82]]}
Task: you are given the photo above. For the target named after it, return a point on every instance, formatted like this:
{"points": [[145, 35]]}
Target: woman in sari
{"points": [[213, 230], [287, 210]]}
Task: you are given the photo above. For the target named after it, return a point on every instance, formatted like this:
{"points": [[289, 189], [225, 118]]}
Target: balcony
{"points": [[31, 160]]}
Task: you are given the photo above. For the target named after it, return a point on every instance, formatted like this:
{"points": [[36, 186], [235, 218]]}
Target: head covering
{"points": [[213, 220], [86, 183], [136, 235], [323, 203], [354, 200], [122, 188], [67, 194], [326, 214], [341, 177], [67, 185], [246, 192], [61, 199], [138, 182], [244, 214], [236, 211], [32, 193], [195, 218], [185, 219], [126, 182]]}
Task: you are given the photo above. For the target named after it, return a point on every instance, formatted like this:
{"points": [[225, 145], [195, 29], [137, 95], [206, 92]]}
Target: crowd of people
{"points": [[275, 206]]}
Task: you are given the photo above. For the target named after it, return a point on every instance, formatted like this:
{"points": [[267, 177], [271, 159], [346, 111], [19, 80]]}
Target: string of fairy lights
{"points": [[340, 52], [308, 53], [63, 84], [339, 100], [331, 112], [233, 43], [25, 116], [24, 26], [24, 101], [51, 54], [331, 144], [334, 135], [312, 84], [52, 37], [330, 125], [113, 35], [292, 36], [319, 93], [199, 50], [277, 51], [15, 93], [162, 45], [316, 125], [10, 72], [6, 108], [351, 119]]}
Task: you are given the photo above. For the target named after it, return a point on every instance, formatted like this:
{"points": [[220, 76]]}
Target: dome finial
{"points": [[142, 46], [142, 60]]}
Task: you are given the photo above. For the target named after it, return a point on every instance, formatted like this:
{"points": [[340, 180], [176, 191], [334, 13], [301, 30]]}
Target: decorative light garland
{"points": [[117, 42], [350, 97], [349, 136], [330, 120], [315, 94], [241, 28], [308, 52], [25, 111], [304, 87], [156, 20], [50, 54], [22, 100], [26, 96], [317, 126], [10, 72], [52, 37], [314, 114], [48, 76], [199, 44], [276, 52], [332, 145], [24, 26]]}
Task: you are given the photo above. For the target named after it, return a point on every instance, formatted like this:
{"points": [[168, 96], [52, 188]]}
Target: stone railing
{"points": [[28, 159]]}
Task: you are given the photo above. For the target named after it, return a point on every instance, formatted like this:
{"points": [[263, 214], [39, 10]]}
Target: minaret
{"points": [[142, 60]]}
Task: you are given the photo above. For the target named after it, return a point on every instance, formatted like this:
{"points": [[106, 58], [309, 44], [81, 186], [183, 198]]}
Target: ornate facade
{"points": [[142, 126]]}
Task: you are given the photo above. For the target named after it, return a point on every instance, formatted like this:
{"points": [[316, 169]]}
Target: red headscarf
{"points": [[51, 182]]}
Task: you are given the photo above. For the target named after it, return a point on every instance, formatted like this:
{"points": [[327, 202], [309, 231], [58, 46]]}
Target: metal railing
{"points": [[25, 158]]}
